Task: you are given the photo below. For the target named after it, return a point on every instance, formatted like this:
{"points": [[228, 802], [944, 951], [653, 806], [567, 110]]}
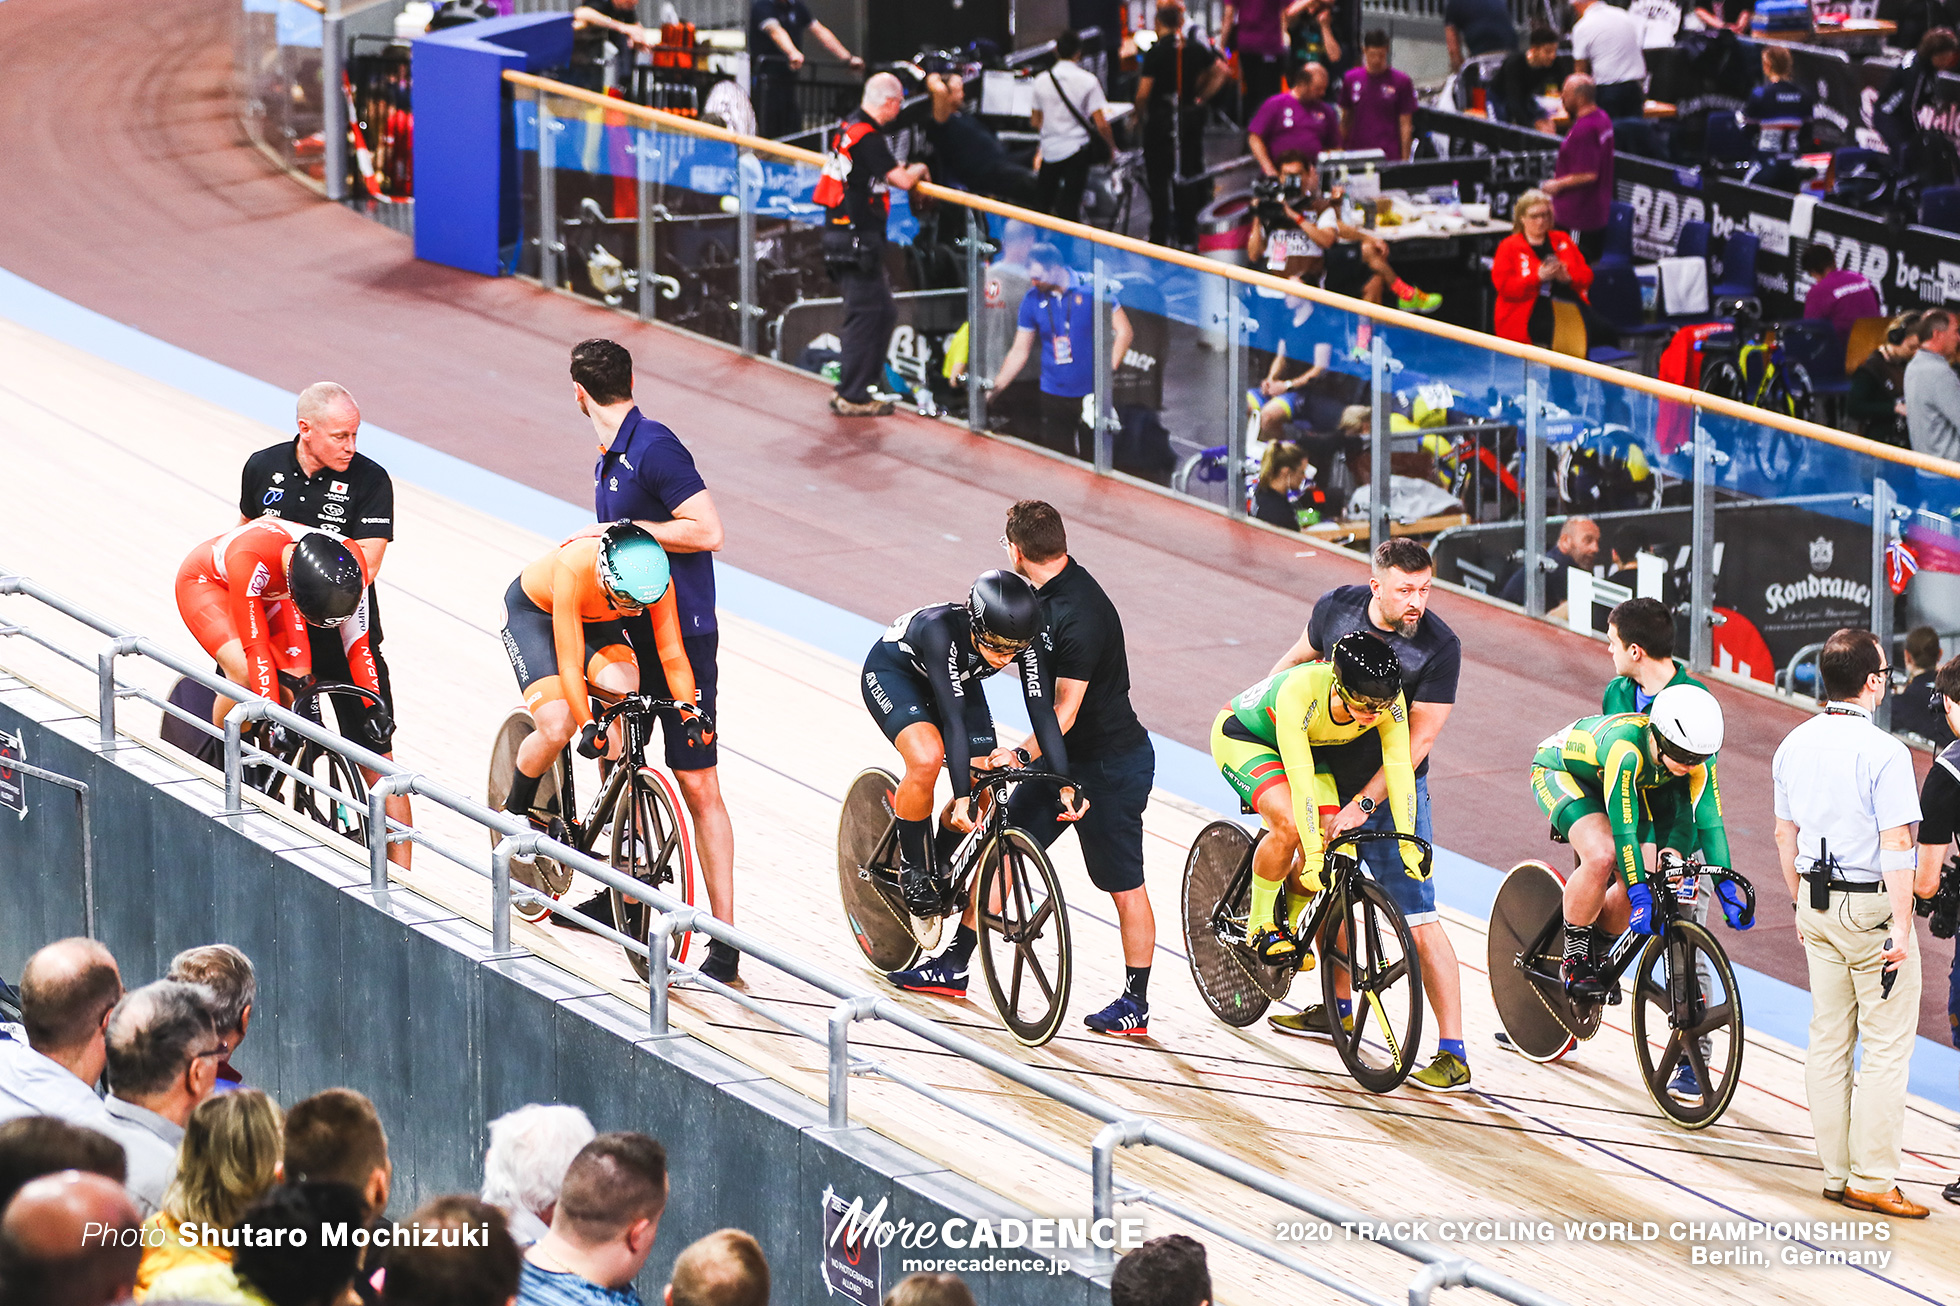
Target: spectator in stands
{"points": [[424, 1275], [163, 1053], [1378, 103], [1283, 471], [1838, 295], [294, 1272], [1297, 121], [1606, 47], [1919, 707], [1058, 316], [726, 1268], [229, 1159], [1310, 28], [234, 986], [1534, 265], [1178, 77], [1780, 97], [1918, 17], [1582, 179], [1257, 30], [1896, 114], [1877, 402], [608, 1215], [68, 1239], [967, 150], [1727, 16], [335, 1136], [530, 1150], [1529, 78], [776, 30], [31, 1146], [930, 1290], [605, 36], [1475, 27], [1932, 389], [1167, 1271], [67, 991], [1004, 285], [1068, 105], [1578, 546]]}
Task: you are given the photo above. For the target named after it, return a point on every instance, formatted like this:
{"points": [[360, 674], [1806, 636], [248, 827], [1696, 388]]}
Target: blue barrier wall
{"points": [[402, 1000]]}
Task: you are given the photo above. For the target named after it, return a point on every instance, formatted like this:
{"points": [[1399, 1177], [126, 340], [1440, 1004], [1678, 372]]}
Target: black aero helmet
{"points": [[324, 579], [1005, 611], [1366, 671]]}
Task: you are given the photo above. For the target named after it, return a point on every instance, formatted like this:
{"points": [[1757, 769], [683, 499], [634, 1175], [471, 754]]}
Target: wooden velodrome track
{"points": [[1579, 1141]]}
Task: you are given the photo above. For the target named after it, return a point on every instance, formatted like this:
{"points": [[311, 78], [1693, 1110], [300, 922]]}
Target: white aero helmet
{"points": [[1687, 723]]}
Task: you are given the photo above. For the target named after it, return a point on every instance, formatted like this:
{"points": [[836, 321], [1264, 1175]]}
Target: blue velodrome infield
{"points": [[1773, 1006]]}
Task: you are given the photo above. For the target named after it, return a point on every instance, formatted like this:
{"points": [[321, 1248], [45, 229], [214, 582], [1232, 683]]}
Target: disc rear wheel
{"points": [[549, 877], [1544, 1024], [872, 905], [1234, 982], [1686, 1007], [1024, 937], [650, 842]]}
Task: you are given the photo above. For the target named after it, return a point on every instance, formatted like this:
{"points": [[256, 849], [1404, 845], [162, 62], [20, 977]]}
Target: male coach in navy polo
{"points": [[647, 474]]}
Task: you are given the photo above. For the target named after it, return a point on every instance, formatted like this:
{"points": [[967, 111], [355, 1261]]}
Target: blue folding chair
{"points": [[1693, 241], [1615, 299], [1814, 344], [1939, 208], [1738, 269], [1728, 141], [1618, 249]]}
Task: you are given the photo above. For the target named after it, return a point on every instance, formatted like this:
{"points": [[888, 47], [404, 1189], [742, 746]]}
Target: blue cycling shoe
{"points": [[1684, 1087], [1124, 1018], [940, 976]]}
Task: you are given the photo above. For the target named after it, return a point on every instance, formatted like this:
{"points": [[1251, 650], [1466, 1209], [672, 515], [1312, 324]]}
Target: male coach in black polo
{"points": [[647, 474], [317, 479], [1108, 749]]}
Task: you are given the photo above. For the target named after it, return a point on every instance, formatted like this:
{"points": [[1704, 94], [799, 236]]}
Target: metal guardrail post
{"points": [[1436, 1274], [659, 939], [1380, 473], [1103, 450], [841, 1016], [235, 760], [976, 303], [644, 152], [105, 689], [378, 839], [1882, 500], [1701, 552], [511, 845], [80, 790], [1102, 1168], [1234, 402], [334, 124], [547, 194], [745, 164], [1534, 491]]}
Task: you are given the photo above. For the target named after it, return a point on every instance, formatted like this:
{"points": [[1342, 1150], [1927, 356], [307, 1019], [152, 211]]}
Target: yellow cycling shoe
{"points": [[1272, 945]]}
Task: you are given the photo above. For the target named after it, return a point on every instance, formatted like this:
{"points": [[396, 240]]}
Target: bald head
{"points": [[329, 423], [66, 990], [884, 95], [1578, 540], [69, 1239], [322, 398], [1579, 92]]}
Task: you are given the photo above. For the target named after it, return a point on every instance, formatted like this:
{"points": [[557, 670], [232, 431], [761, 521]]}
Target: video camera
{"points": [[1272, 195], [1942, 910]]}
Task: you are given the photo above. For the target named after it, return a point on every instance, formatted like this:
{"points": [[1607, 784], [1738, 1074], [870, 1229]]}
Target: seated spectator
{"points": [[1068, 105], [1918, 707], [608, 1215], [1839, 295], [1528, 83], [1283, 470], [1378, 103], [68, 1239], [233, 982], [1310, 31], [163, 1055], [230, 1157], [67, 991], [1578, 546], [423, 1275], [1167, 1271], [31, 1146], [1474, 27], [930, 1290], [1779, 99], [967, 151], [1727, 16], [336, 1137], [1877, 402], [291, 1271], [1297, 121], [1533, 266], [1932, 390], [726, 1268], [530, 1149]]}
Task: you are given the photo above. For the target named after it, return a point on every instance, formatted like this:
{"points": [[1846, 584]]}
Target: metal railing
{"points": [[668, 915]]}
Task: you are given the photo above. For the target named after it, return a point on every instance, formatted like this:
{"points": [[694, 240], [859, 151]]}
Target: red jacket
{"points": [[1514, 271]]}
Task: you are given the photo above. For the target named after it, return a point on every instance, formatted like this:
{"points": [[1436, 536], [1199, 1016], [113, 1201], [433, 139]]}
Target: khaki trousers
{"points": [[1858, 1130]]}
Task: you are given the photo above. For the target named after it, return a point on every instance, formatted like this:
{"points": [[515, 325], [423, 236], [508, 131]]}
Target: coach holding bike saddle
{"points": [[1846, 802]]}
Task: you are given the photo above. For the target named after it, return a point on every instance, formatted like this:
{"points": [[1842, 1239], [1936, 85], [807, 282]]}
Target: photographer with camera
{"points": [[1936, 887]]}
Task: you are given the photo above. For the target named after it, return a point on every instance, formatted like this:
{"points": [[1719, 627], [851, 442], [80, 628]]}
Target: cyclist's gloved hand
{"points": [[591, 740], [1641, 898], [294, 685], [378, 728], [1413, 864], [695, 730], [1313, 873], [1737, 910]]}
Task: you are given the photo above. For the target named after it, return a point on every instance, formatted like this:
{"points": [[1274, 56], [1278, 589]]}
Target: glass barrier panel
{"points": [[276, 71]]}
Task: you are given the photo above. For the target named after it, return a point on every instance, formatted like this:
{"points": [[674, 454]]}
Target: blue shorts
{"points": [[1111, 833], [1383, 858], [702, 657]]}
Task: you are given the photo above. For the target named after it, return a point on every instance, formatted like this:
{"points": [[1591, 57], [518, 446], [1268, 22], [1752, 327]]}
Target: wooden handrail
{"points": [[1388, 316]]}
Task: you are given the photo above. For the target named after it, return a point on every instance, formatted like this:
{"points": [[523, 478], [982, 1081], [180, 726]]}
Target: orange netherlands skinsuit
{"points": [[565, 583]]}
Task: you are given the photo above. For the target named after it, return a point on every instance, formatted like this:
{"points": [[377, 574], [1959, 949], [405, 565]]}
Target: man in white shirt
{"points": [[1846, 802], [1932, 389], [67, 990], [163, 1053], [1606, 47], [1068, 102]]}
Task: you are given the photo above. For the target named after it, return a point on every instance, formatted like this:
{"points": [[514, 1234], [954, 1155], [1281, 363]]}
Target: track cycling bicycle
{"points": [[1023, 920], [1684, 990], [1363, 944], [635, 814], [1749, 365]]}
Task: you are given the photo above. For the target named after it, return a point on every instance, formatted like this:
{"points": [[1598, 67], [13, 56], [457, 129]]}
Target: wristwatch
{"points": [[1366, 804]]}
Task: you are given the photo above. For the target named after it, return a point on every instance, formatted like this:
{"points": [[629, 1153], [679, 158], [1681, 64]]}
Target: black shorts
{"points": [[1347, 272], [532, 649], [897, 696], [1111, 832], [703, 657], [330, 663]]}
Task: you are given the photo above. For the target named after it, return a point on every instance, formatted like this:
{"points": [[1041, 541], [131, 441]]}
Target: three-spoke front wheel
{"points": [[1367, 949], [1686, 1008], [650, 842], [1024, 939]]}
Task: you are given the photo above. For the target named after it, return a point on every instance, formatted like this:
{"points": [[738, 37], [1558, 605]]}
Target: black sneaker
{"points": [[722, 962], [920, 888]]}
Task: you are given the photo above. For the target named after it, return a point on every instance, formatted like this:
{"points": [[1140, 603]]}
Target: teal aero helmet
{"points": [[632, 565]]}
